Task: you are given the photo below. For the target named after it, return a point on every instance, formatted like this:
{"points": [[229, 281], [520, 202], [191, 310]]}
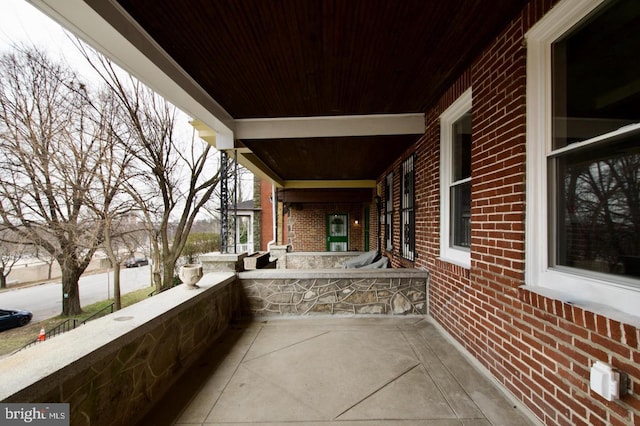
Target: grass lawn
{"points": [[15, 338]]}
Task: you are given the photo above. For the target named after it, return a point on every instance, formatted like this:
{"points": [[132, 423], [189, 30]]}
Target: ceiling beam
{"points": [[330, 126], [258, 168], [332, 195], [323, 184], [245, 156]]}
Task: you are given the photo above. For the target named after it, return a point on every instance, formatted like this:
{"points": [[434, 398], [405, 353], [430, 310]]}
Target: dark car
{"points": [[136, 262], [10, 318]]}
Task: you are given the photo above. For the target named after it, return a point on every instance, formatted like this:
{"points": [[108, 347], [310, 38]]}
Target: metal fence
{"points": [[68, 325]]}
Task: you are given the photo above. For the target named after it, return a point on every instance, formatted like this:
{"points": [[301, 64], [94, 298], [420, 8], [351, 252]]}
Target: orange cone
{"points": [[42, 335]]}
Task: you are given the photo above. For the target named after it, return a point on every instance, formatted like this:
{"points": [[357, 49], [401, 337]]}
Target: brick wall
{"points": [[394, 255], [266, 213], [307, 225], [550, 346], [374, 244], [539, 348]]}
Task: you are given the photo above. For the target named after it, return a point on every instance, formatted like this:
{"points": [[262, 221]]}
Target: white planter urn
{"points": [[190, 274]]}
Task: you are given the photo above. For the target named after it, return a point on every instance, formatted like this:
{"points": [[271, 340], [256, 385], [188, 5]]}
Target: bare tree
{"points": [[603, 213], [177, 176], [49, 163], [10, 254], [114, 206], [45, 257]]}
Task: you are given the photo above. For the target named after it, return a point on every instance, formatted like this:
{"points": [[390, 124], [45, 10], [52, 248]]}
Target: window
{"points": [[583, 153], [455, 181], [388, 212], [407, 227]]}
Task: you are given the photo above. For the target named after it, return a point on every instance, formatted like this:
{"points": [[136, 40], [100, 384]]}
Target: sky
{"points": [[20, 22]]}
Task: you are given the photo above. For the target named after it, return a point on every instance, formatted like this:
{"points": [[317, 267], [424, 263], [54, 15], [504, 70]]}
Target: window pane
{"points": [[388, 224], [408, 241], [596, 69], [387, 232], [461, 149], [461, 215], [388, 193], [407, 225], [598, 204]]}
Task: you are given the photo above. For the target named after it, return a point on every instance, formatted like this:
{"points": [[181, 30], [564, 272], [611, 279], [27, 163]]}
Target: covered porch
{"points": [[316, 97], [438, 119], [206, 357], [335, 370]]}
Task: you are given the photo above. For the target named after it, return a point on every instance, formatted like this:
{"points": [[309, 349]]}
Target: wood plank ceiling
{"points": [[302, 58]]}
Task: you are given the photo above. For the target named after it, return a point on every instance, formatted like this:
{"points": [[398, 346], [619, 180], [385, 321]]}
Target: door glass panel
{"points": [[338, 226], [337, 232]]}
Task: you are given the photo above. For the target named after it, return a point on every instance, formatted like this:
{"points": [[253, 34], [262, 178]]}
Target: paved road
{"points": [[45, 300]]}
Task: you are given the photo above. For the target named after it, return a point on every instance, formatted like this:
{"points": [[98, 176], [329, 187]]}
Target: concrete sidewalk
{"points": [[343, 371]]}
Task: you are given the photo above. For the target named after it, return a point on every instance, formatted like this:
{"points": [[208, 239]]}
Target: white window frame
{"points": [[608, 296], [456, 110]]}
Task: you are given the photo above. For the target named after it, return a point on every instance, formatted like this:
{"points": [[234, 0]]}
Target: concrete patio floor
{"points": [[342, 371]]}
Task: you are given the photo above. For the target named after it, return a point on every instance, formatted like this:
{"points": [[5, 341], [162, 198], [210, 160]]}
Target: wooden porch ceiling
{"points": [[273, 59]]}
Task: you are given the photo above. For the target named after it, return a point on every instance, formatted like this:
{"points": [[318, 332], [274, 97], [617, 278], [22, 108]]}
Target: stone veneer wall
{"points": [[113, 370], [315, 260], [222, 262], [346, 291]]}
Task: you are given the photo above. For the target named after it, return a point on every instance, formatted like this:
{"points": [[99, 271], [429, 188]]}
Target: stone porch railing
{"points": [[114, 369], [335, 291], [314, 260]]}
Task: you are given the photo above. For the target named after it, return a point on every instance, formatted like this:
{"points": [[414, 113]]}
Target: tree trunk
{"points": [[116, 286], [154, 247], [71, 273], [157, 281], [156, 276], [113, 259], [70, 292], [3, 279], [167, 279]]}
